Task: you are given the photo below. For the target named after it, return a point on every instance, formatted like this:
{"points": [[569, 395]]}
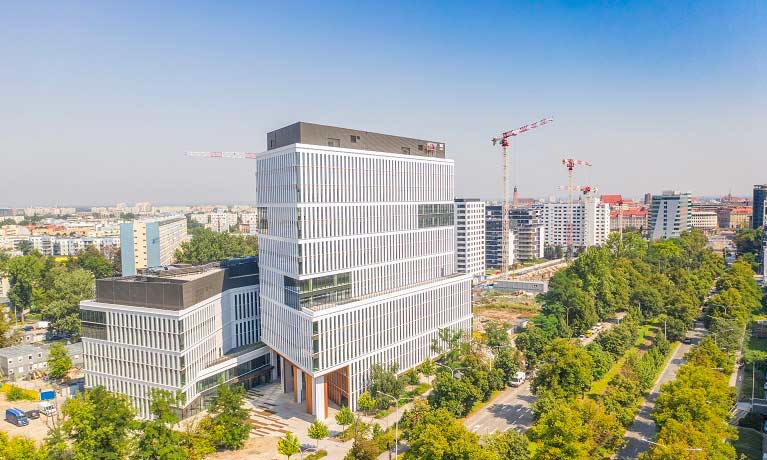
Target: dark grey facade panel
{"points": [[313, 134], [174, 294]]}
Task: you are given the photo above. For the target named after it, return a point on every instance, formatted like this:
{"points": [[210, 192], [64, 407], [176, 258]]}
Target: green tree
{"points": [[157, 440], [698, 394], [363, 449], [383, 382], [7, 335], [344, 417], [318, 431], [209, 246], [288, 445], [56, 443], [98, 425], [435, 434], [496, 334], [59, 362], [581, 430], [196, 442], [20, 448], [509, 362], [24, 273], [67, 290], [92, 260], [566, 370], [428, 368], [603, 360], [366, 403], [227, 422], [509, 445]]}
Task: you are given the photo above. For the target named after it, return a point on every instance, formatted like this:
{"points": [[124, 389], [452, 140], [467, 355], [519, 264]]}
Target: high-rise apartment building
{"points": [[526, 241], [590, 222], [470, 236], [178, 329], [146, 244], [357, 257], [760, 205], [670, 214]]}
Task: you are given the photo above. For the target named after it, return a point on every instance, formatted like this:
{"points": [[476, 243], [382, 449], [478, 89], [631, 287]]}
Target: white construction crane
{"points": [[505, 228]]}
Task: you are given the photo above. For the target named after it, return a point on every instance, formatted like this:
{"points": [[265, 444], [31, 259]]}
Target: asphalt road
{"points": [[511, 409], [643, 426]]}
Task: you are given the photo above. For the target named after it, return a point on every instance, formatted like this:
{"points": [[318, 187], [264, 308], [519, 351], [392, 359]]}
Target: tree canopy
{"points": [[209, 246]]}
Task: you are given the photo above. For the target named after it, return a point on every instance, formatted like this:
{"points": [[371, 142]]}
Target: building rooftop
{"points": [[332, 136], [611, 199], [177, 287], [25, 350]]}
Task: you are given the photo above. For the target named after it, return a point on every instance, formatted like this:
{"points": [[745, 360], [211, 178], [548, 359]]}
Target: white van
{"points": [[518, 379], [47, 408]]}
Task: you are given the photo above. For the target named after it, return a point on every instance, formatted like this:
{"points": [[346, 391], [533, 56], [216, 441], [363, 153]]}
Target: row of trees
{"points": [[468, 374], [53, 289], [102, 425], [692, 412], [664, 280]]}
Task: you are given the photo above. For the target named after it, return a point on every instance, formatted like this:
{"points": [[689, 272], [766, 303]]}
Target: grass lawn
{"points": [[646, 332], [749, 443]]}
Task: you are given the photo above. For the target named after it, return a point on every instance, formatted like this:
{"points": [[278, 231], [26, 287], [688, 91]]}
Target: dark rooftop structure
{"points": [[177, 287], [331, 136]]}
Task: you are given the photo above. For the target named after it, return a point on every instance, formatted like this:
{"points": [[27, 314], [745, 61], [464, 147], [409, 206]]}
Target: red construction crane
{"points": [[504, 140], [570, 164], [226, 155]]}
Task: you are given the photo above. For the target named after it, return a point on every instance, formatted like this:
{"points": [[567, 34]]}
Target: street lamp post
{"points": [[396, 420], [691, 449]]}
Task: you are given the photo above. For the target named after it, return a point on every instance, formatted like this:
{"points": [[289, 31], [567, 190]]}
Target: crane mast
{"points": [[505, 224], [570, 164]]}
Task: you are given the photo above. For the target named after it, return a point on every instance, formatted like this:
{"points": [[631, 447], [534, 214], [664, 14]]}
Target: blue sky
{"points": [[100, 100]]}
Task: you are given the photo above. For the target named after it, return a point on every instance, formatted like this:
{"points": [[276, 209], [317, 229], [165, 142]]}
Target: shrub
{"points": [[14, 393], [317, 455]]}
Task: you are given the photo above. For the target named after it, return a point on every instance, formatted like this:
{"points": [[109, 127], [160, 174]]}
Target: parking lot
{"points": [[37, 428]]}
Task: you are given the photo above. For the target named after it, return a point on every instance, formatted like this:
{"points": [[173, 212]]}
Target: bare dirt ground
{"points": [[507, 308]]}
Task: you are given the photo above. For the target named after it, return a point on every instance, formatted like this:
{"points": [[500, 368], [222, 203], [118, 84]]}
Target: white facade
{"points": [[470, 237], [222, 221], [591, 222], [705, 220], [670, 215], [131, 349], [357, 254]]}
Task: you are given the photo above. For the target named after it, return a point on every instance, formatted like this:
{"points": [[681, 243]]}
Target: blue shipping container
{"points": [[47, 395]]}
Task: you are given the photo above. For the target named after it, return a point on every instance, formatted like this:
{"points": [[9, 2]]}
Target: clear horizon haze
{"points": [[100, 100]]}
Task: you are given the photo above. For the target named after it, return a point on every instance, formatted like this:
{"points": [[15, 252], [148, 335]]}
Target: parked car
{"points": [[582, 337], [16, 416], [764, 427], [687, 340], [33, 414]]}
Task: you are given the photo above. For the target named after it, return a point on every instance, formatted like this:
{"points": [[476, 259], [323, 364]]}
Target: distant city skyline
{"points": [[100, 101]]}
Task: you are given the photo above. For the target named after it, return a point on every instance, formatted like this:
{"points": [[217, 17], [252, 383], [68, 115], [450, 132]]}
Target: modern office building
{"points": [[357, 253], [670, 214], [590, 222], [146, 244], [760, 205], [178, 329], [470, 236]]}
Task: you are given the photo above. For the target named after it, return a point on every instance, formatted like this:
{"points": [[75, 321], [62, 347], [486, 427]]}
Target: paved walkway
{"points": [[644, 426]]}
